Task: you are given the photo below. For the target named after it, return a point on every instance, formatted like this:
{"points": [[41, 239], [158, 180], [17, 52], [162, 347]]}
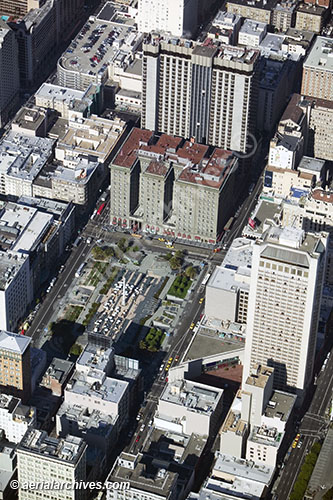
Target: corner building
{"points": [[284, 302]]}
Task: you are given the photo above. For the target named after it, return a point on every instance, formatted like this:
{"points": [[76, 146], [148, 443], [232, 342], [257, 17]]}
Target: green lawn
{"points": [[180, 286], [153, 340], [73, 312]]}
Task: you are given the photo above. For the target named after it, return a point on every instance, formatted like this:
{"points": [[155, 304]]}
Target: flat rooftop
{"points": [[23, 156], [205, 345], [260, 376], [69, 449], [242, 468], [145, 475], [269, 436], [258, 4], [94, 357], [108, 389], [30, 224], [92, 421], [94, 135], [252, 27], [280, 405], [194, 396], [321, 55], [238, 261], [225, 19], [10, 264], [170, 446], [57, 93], [30, 119], [313, 165], [99, 44]]}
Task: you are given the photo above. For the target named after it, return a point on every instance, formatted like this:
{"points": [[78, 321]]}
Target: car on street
{"points": [[192, 326], [137, 438], [201, 300]]}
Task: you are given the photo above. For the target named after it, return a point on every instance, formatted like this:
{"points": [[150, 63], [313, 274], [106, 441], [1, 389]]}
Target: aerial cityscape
{"points": [[166, 262]]}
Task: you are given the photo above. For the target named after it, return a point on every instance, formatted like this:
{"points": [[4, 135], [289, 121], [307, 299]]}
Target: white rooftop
{"points": [[243, 468], [252, 27], [194, 396], [24, 156], [58, 93], [321, 54], [13, 342]]}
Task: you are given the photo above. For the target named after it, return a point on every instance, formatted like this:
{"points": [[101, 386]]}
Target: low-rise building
{"points": [[146, 480], [21, 160], [225, 27], [297, 41], [310, 17], [234, 476], [98, 429], [15, 418], [252, 33], [284, 182], [227, 290], [69, 102], [284, 15], [264, 440], [258, 11], [57, 375], [98, 392], [31, 121], [188, 407], [7, 468]]}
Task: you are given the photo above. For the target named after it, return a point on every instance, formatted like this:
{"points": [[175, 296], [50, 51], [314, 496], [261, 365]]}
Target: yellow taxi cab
{"points": [[201, 300], [192, 326]]}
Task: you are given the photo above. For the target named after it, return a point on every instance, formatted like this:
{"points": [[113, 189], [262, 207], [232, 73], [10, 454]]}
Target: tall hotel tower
{"points": [[284, 303], [204, 91]]}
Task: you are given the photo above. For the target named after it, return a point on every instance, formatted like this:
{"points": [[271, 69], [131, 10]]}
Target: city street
{"points": [[311, 429]]}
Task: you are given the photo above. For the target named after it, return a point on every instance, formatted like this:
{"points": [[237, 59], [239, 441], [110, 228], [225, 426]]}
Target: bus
{"points": [[80, 269], [101, 208], [228, 225], [206, 278]]}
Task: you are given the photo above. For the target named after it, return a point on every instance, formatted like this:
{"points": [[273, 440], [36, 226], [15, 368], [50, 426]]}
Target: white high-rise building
{"points": [[284, 303], [179, 17], [9, 81]]}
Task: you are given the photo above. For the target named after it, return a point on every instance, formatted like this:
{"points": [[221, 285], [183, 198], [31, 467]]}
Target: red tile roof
{"points": [[211, 174], [319, 194], [157, 168], [127, 154]]}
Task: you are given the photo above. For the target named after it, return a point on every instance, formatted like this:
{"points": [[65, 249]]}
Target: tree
{"points": [[175, 263], [122, 244], [190, 272], [316, 448], [76, 349]]}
